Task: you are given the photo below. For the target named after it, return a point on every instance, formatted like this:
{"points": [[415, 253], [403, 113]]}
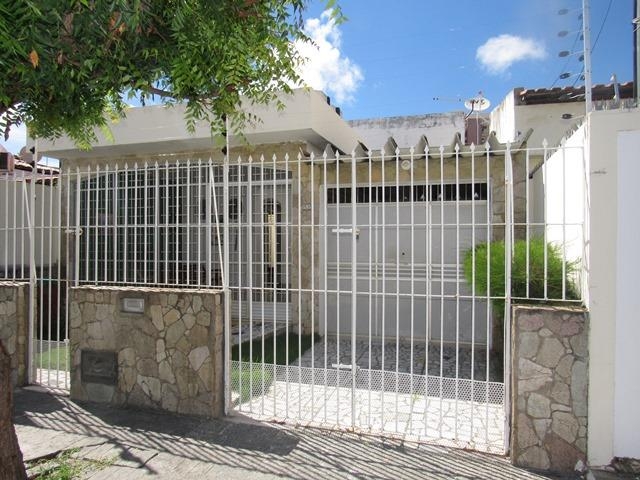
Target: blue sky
{"points": [[393, 57], [409, 51]]}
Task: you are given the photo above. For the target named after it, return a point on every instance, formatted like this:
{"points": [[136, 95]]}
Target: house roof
{"points": [[439, 127], [23, 171], [391, 150], [307, 116], [603, 91]]}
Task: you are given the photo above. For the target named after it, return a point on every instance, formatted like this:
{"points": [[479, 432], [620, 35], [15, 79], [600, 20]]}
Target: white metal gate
{"points": [[382, 333], [257, 246], [31, 229], [394, 241], [352, 287]]}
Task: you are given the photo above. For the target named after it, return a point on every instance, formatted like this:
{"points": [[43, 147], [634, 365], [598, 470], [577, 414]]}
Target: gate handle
{"points": [[345, 230], [344, 366]]}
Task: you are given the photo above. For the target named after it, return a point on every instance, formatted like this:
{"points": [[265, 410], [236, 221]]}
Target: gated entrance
{"points": [[352, 282], [401, 240], [382, 333], [31, 229]]}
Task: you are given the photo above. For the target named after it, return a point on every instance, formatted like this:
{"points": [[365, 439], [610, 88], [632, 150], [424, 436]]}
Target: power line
{"points": [[579, 76], [569, 58], [604, 20]]}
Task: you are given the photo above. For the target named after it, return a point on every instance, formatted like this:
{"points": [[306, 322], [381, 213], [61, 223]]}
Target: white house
{"points": [[320, 233], [305, 127]]}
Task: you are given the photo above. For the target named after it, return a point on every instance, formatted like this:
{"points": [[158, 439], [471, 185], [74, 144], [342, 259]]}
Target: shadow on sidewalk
{"points": [[300, 453]]}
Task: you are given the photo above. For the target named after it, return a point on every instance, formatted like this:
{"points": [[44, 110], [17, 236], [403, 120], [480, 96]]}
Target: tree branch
{"points": [[158, 91]]}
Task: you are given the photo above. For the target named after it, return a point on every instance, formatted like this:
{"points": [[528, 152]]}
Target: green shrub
{"points": [[250, 382], [494, 284]]}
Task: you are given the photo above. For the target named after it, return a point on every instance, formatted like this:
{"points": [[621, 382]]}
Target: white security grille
{"points": [[365, 292], [32, 226]]}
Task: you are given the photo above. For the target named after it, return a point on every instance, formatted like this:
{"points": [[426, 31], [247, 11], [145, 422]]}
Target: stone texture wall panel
{"points": [[169, 357], [14, 318], [549, 387]]}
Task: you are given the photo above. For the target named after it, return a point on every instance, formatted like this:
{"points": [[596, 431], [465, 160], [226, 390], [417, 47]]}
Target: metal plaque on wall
{"points": [[98, 366]]}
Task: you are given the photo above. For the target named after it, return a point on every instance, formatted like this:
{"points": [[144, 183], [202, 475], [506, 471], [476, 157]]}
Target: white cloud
{"points": [[498, 53], [326, 68], [17, 138]]}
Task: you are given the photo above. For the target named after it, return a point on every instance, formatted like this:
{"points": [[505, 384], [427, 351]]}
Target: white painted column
{"points": [[612, 301], [626, 417]]}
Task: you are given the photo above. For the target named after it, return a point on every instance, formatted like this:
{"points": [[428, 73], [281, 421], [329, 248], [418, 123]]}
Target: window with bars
{"points": [[447, 192], [135, 225], [152, 225]]}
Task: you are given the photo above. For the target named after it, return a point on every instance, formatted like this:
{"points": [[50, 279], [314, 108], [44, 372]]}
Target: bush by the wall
{"points": [[494, 283]]}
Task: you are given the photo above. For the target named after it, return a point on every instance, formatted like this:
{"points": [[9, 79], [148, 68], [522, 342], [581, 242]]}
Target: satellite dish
{"points": [[477, 104]]}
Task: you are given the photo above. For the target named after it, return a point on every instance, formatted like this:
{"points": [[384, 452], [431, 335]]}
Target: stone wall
{"points": [[169, 357], [549, 387], [14, 298]]}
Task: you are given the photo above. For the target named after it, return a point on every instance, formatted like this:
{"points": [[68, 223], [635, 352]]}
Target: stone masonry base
{"points": [[549, 387], [14, 298], [169, 355]]}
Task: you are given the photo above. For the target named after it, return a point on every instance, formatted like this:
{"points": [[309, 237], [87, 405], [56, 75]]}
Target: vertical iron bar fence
{"points": [[368, 290]]}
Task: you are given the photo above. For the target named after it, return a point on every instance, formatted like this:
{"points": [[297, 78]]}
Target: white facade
{"points": [[439, 129], [15, 221], [627, 379], [614, 263], [510, 119]]}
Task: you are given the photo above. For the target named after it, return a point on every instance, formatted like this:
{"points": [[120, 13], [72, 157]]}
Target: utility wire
{"points": [[566, 63], [575, 41], [604, 20], [595, 43]]}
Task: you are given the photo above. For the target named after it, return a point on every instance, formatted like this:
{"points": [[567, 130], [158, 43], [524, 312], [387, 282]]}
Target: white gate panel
{"points": [[392, 268]]}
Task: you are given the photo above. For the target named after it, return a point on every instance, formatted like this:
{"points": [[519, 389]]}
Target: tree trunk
{"points": [[11, 464]]}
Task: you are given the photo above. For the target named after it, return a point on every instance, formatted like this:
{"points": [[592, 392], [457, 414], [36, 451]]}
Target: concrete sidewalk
{"points": [[145, 444]]}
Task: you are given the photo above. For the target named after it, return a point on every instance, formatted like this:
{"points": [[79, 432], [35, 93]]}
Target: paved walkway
{"points": [[406, 357], [454, 413], [147, 444]]}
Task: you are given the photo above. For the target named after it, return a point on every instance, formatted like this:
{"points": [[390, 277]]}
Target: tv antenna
{"points": [[448, 99]]}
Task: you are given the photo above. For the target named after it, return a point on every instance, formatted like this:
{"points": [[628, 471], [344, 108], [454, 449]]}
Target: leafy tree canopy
{"points": [[65, 63]]}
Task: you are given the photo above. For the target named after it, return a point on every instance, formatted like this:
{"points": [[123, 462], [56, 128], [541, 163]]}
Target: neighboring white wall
{"points": [[14, 224], [546, 121], [564, 180], [509, 120], [439, 128], [612, 169], [626, 439], [502, 119]]}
